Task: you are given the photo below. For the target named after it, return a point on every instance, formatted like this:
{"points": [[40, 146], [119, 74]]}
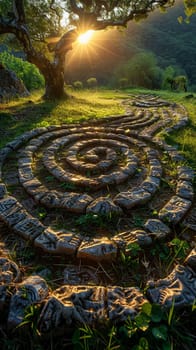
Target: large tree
{"points": [[47, 29]]}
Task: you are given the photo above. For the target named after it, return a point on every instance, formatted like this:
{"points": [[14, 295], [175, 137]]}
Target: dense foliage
{"points": [[167, 47], [27, 72]]}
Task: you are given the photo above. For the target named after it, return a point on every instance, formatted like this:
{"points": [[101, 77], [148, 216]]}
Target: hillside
{"points": [[162, 34]]}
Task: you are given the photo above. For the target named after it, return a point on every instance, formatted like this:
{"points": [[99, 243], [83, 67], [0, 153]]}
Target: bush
{"points": [[26, 71], [91, 82], [141, 71], [181, 83], [123, 83], [78, 84], [174, 78]]}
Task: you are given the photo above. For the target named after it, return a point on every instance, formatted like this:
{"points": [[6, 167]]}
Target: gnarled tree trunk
{"points": [[53, 73], [54, 86]]}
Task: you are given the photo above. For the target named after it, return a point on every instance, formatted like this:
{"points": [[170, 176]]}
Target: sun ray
{"points": [[84, 38]]}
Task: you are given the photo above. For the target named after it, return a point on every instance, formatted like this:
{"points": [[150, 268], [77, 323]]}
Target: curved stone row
{"points": [[72, 305], [105, 147], [36, 189], [149, 101], [104, 140]]}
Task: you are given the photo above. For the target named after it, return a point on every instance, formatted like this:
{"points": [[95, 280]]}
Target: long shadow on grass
{"points": [[27, 115]]}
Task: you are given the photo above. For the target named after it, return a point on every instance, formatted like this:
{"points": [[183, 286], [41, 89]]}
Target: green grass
{"points": [[25, 114], [185, 137]]}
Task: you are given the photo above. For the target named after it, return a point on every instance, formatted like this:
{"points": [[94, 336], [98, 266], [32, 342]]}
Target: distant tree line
{"points": [[147, 54]]}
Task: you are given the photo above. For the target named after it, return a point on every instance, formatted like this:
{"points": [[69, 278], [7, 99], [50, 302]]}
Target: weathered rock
{"points": [[10, 85], [178, 287], [185, 173], [58, 242], [53, 315], [75, 202], [157, 228], [25, 174], [33, 290], [9, 271], [47, 241], [185, 189], [125, 239], [50, 199], [32, 186], [97, 249], [132, 198], [73, 305], [6, 205], [9, 274], [16, 215], [29, 228], [149, 102], [103, 206], [176, 156], [124, 303], [3, 190], [175, 209], [190, 220], [151, 184], [11, 211], [191, 259]]}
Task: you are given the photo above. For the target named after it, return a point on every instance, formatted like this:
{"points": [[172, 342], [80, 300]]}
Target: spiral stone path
{"points": [[109, 168]]}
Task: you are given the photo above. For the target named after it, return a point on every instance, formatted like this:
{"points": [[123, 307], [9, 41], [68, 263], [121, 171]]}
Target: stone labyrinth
{"points": [[111, 168]]}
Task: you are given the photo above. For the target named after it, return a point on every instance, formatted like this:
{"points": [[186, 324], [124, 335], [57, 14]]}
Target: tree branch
{"points": [[18, 8], [75, 9]]}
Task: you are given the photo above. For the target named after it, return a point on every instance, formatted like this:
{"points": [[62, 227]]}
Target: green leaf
{"points": [[142, 321], [160, 332], [147, 308], [123, 258], [180, 19], [171, 312], [194, 306], [144, 343], [157, 313]]}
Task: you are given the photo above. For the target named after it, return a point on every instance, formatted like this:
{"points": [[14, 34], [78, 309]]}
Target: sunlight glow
{"points": [[84, 38]]}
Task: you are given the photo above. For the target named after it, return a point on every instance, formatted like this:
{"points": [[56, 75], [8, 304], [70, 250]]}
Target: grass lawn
{"points": [[25, 114]]}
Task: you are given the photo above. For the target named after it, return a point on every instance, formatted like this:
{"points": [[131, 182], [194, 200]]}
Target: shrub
{"points": [[78, 84], [142, 70], [181, 82], [123, 83], [91, 82], [174, 78], [26, 71]]}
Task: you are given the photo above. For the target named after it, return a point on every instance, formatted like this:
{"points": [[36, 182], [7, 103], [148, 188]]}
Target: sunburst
{"points": [[84, 38]]}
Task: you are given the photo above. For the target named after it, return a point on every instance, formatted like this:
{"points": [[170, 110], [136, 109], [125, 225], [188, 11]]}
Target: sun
{"points": [[84, 38]]}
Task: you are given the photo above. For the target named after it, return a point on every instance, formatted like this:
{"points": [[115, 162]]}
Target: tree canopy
{"points": [[46, 29]]}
